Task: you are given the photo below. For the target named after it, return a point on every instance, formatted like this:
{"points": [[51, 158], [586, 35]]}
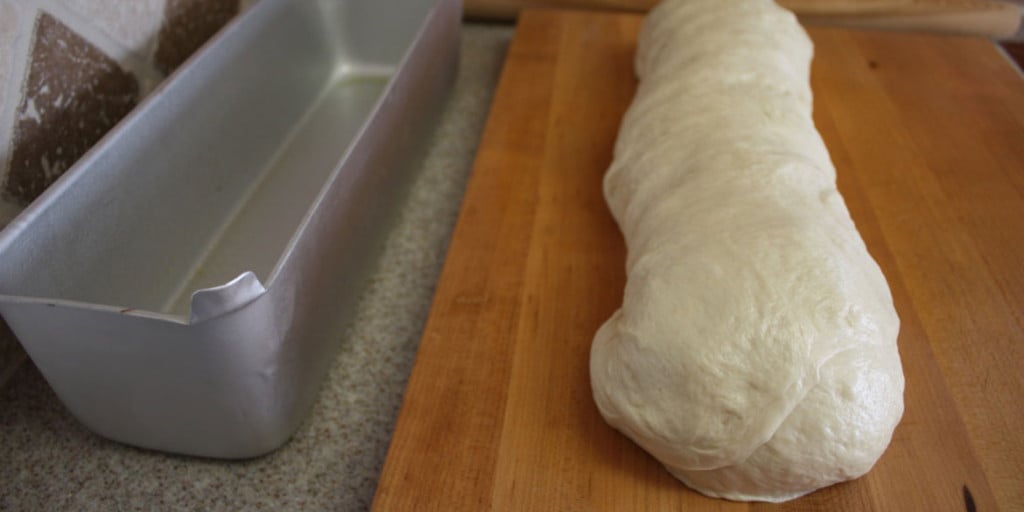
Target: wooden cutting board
{"points": [[927, 134], [989, 18]]}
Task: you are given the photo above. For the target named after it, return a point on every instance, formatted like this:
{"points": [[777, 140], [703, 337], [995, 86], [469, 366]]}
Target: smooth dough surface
{"points": [[755, 351]]}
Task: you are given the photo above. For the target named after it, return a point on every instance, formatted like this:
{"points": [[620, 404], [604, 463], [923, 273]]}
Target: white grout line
{"points": [[26, 14]]}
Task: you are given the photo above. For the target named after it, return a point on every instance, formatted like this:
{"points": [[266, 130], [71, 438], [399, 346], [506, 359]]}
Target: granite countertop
{"points": [[50, 462]]}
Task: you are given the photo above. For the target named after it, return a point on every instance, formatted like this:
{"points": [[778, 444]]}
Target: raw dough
{"points": [[755, 351]]}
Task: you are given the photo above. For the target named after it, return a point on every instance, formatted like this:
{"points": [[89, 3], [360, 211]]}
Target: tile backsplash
{"points": [[69, 71]]}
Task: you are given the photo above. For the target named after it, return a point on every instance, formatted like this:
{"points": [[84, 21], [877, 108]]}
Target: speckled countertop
{"points": [[50, 462]]}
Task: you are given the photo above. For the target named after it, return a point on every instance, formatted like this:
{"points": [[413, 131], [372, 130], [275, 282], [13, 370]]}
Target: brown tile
{"points": [[187, 25], [74, 94]]}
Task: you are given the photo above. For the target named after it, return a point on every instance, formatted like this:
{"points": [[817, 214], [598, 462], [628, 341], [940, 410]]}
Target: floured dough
{"points": [[755, 351]]}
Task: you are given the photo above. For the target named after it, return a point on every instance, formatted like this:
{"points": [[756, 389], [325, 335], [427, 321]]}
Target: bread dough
{"points": [[755, 351]]}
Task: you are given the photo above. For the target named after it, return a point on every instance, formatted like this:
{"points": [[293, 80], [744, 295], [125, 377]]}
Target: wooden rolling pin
{"points": [[987, 18]]}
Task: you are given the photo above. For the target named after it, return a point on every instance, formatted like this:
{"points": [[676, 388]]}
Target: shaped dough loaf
{"points": [[755, 351]]}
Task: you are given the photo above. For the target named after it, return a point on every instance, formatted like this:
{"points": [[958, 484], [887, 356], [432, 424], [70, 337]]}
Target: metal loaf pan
{"points": [[183, 286]]}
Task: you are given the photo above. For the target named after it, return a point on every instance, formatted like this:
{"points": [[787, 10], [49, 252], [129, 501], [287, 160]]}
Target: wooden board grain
{"points": [[927, 134]]}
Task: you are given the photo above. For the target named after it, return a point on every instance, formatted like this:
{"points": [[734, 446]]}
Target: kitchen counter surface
{"points": [[50, 462]]}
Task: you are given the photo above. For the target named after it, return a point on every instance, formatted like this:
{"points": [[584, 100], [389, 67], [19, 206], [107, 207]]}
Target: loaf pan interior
{"points": [[216, 172]]}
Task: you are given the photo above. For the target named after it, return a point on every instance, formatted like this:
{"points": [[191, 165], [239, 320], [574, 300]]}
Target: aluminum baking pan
{"points": [[183, 286]]}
